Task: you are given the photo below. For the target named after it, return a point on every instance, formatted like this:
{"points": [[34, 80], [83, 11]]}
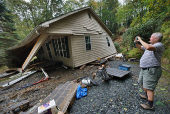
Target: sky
{"points": [[121, 1]]}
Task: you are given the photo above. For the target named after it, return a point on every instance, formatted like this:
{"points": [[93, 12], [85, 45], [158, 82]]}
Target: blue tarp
{"points": [[81, 92]]}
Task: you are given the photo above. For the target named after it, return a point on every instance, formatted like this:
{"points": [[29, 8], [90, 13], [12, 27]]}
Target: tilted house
{"points": [[75, 38]]}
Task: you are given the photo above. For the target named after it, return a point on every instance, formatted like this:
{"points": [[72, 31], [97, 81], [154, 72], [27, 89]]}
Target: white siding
{"points": [[77, 23], [99, 49]]}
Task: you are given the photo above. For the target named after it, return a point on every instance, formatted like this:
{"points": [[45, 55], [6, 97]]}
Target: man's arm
{"points": [[138, 46], [146, 45]]}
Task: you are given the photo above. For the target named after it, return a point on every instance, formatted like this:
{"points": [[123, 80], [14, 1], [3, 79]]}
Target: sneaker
{"points": [[147, 106], [143, 96]]}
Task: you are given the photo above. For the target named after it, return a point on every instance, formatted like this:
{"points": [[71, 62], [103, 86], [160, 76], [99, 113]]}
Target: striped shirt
{"points": [[152, 58]]}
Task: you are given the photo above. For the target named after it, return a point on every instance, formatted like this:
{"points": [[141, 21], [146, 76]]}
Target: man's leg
{"points": [[145, 96], [149, 104], [150, 94]]}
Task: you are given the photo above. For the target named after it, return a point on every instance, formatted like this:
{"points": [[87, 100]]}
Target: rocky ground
{"points": [[119, 95]]}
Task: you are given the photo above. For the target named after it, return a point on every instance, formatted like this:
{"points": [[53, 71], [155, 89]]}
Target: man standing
{"points": [[150, 64]]}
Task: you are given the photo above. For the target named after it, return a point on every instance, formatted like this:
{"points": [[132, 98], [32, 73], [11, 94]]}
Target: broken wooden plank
{"points": [[63, 96], [46, 75], [29, 69], [21, 106], [34, 50], [82, 67], [5, 74], [69, 99], [110, 56], [24, 75], [37, 63]]}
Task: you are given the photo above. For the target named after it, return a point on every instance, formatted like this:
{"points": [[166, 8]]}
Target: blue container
{"points": [[124, 67]]}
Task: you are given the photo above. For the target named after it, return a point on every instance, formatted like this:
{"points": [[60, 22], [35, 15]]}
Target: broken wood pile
{"points": [[63, 95], [8, 73], [47, 65], [22, 76], [22, 106]]}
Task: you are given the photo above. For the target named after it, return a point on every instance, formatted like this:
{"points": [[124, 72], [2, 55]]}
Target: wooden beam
{"points": [[165, 69], [82, 67], [35, 49]]}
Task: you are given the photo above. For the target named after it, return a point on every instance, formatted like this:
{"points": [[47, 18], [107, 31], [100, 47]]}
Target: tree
{"points": [[106, 10], [8, 36]]}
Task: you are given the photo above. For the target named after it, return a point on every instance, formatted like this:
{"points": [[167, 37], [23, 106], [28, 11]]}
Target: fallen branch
{"points": [[165, 69]]}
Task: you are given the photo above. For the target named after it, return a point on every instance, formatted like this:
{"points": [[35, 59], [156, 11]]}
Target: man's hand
{"points": [[138, 39]]}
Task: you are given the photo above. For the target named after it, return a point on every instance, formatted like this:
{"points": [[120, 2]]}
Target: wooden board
{"points": [[63, 96], [116, 72]]}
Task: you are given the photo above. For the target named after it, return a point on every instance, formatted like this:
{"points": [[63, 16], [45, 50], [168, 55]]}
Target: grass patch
{"points": [[2, 69], [134, 53]]}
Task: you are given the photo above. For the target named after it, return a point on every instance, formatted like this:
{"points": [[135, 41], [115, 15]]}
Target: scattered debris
{"points": [[46, 78], [116, 72], [24, 75], [63, 96], [94, 74], [102, 72], [82, 67], [64, 67], [99, 62], [8, 73], [111, 56], [46, 75], [44, 108], [132, 59], [21, 106]]}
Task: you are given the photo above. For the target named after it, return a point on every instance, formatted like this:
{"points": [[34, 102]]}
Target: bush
{"points": [[144, 31], [134, 53], [117, 46]]}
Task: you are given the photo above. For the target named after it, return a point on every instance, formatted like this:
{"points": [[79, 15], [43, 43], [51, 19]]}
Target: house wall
{"points": [[99, 49]]}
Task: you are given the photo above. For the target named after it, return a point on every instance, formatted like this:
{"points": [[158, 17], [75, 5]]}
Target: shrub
{"points": [[117, 46]]}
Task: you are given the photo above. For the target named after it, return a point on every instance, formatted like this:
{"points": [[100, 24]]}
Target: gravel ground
{"points": [[118, 96]]}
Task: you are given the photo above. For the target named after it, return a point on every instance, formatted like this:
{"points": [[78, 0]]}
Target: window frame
{"points": [[87, 43], [60, 48], [108, 42]]}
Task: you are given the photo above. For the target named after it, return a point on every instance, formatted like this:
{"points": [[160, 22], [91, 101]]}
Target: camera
{"points": [[137, 38]]}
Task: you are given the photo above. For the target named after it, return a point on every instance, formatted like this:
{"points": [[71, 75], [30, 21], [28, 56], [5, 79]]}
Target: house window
{"points": [[89, 15], [61, 47], [48, 49], [108, 43], [88, 42]]}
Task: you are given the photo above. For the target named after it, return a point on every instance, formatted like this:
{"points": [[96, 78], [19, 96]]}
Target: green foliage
{"points": [[166, 41], [134, 53], [107, 13], [144, 30], [117, 46], [159, 103], [158, 9], [8, 36]]}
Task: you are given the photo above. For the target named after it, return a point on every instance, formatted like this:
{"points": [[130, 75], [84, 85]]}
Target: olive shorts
{"points": [[149, 77]]}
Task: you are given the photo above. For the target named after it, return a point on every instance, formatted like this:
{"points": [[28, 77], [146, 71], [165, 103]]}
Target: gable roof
{"points": [[39, 29]]}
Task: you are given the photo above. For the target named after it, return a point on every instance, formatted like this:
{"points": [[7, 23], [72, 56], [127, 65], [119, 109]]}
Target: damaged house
{"points": [[75, 38]]}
